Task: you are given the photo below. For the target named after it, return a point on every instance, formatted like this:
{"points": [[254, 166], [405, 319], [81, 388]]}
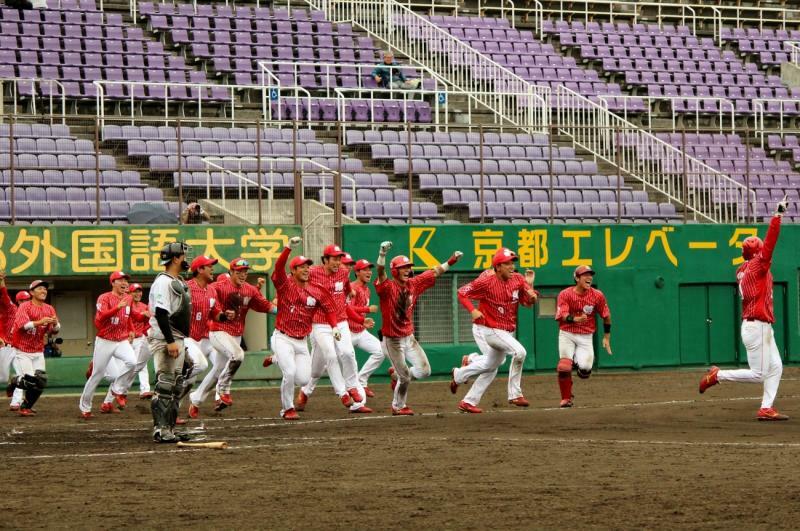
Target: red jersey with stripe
{"points": [[397, 302], [8, 310], [298, 306], [498, 299], [113, 323], [241, 300], [32, 341], [359, 303], [337, 284], [592, 302], [755, 279], [141, 323], [205, 308]]}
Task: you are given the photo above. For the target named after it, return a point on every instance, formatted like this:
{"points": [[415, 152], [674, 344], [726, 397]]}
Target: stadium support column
{"points": [[337, 189], [298, 179], [410, 175]]}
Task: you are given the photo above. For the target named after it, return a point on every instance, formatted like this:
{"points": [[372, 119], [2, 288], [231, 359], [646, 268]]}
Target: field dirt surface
{"points": [[638, 450]]}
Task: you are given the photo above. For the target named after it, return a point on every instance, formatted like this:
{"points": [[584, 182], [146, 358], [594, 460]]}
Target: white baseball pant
{"points": [[219, 361], [141, 350], [577, 347], [763, 358], [495, 345], [292, 357], [324, 358], [345, 359], [7, 361], [400, 349], [372, 345], [104, 350], [198, 352], [230, 347], [114, 370]]}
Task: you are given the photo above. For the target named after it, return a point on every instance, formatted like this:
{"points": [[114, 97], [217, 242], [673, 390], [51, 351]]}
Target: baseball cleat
{"points": [[267, 362], [25, 412], [362, 409], [302, 400], [768, 413], [108, 407], [147, 395], [355, 395], [710, 379], [567, 402], [226, 399], [86, 415], [466, 407], [393, 383], [164, 435], [219, 405], [453, 384], [520, 401], [13, 407], [369, 392], [290, 414], [89, 369], [194, 411], [180, 421], [122, 400], [402, 411], [346, 400]]}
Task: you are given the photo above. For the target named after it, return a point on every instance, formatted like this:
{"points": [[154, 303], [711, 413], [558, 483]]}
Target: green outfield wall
{"points": [[671, 289]]}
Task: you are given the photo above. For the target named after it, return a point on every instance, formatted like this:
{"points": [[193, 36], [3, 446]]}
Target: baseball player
{"points": [[576, 309], [141, 323], [34, 321], [171, 309], [359, 324], [205, 308], [115, 334], [8, 312], [499, 291], [397, 300], [239, 297], [298, 302], [327, 354], [755, 287]]}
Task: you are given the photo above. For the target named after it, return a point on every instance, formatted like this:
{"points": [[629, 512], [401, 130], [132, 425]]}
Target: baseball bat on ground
{"points": [[218, 445]]}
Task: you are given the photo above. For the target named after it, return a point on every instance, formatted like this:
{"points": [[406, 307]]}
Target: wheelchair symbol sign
{"points": [[273, 94], [442, 97]]}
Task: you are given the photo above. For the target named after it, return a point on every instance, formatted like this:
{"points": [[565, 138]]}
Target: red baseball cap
{"points": [[300, 260], [36, 283], [583, 270], [116, 275], [134, 287], [202, 261], [239, 264], [333, 250], [347, 259], [363, 264], [504, 255], [22, 296]]}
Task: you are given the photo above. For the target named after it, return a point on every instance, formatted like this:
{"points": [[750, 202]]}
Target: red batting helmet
{"points": [[751, 246], [504, 255], [398, 262], [582, 270], [22, 296]]}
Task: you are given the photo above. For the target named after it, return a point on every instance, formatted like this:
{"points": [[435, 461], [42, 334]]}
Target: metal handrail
{"points": [[649, 99], [341, 100], [760, 111], [794, 51], [32, 81]]}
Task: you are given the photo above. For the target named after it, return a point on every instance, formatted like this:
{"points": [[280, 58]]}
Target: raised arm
{"points": [[529, 295], [774, 230], [444, 266], [381, 261]]}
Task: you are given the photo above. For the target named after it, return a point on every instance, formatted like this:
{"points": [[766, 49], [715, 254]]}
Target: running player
{"points": [[576, 310], [239, 297], [34, 321], [359, 325], [500, 292], [115, 334], [397, 300], [298, 302], [755, 287], [8, 312], [141, 323]]}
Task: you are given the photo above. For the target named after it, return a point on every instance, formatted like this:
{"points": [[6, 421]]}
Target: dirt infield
{"points": [[639, 450]]}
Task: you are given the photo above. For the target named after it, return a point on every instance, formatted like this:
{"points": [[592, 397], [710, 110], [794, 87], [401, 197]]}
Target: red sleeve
{"points": [[279, 277], [475, 290], [764, 260], [381, 287], [421, 283], [104, 313], [603, 311], [258, 302], [5, 300], [22, 318], [562, 307], [354, 314], [138, 316], [215, 310], [131, 328]]}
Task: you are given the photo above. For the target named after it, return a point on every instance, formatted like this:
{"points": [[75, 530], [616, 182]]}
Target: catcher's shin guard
{"points": [[164, 405], [33, 386]]}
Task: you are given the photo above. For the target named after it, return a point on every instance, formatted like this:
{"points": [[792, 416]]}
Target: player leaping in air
{"points": [[755, 287], [398, 297]]}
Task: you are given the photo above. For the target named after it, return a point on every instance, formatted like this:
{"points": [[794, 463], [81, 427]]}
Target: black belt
{"points": [[753, 320], [287, 335]]}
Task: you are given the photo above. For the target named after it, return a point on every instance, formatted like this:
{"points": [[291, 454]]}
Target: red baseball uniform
{"points": [[242, 299], [337, 284], [298, 306], [113, 323], [397, 302], [755, 279], [357, 306], [498, 299], [205, 308], [141, 323], [8, 311], [31, 341], [590, 303]]}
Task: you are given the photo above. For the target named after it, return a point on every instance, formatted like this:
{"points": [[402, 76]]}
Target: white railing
{"points": [[373, 95], [537, 10], [794, 52], [457, 63], [274, 93], [244, 164], [761, 109], [15, 97], [721, 113], [705, 192]]}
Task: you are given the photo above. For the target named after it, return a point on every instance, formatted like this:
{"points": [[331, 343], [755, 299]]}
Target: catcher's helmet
{"points": [[751, 246], [172, 250]]}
